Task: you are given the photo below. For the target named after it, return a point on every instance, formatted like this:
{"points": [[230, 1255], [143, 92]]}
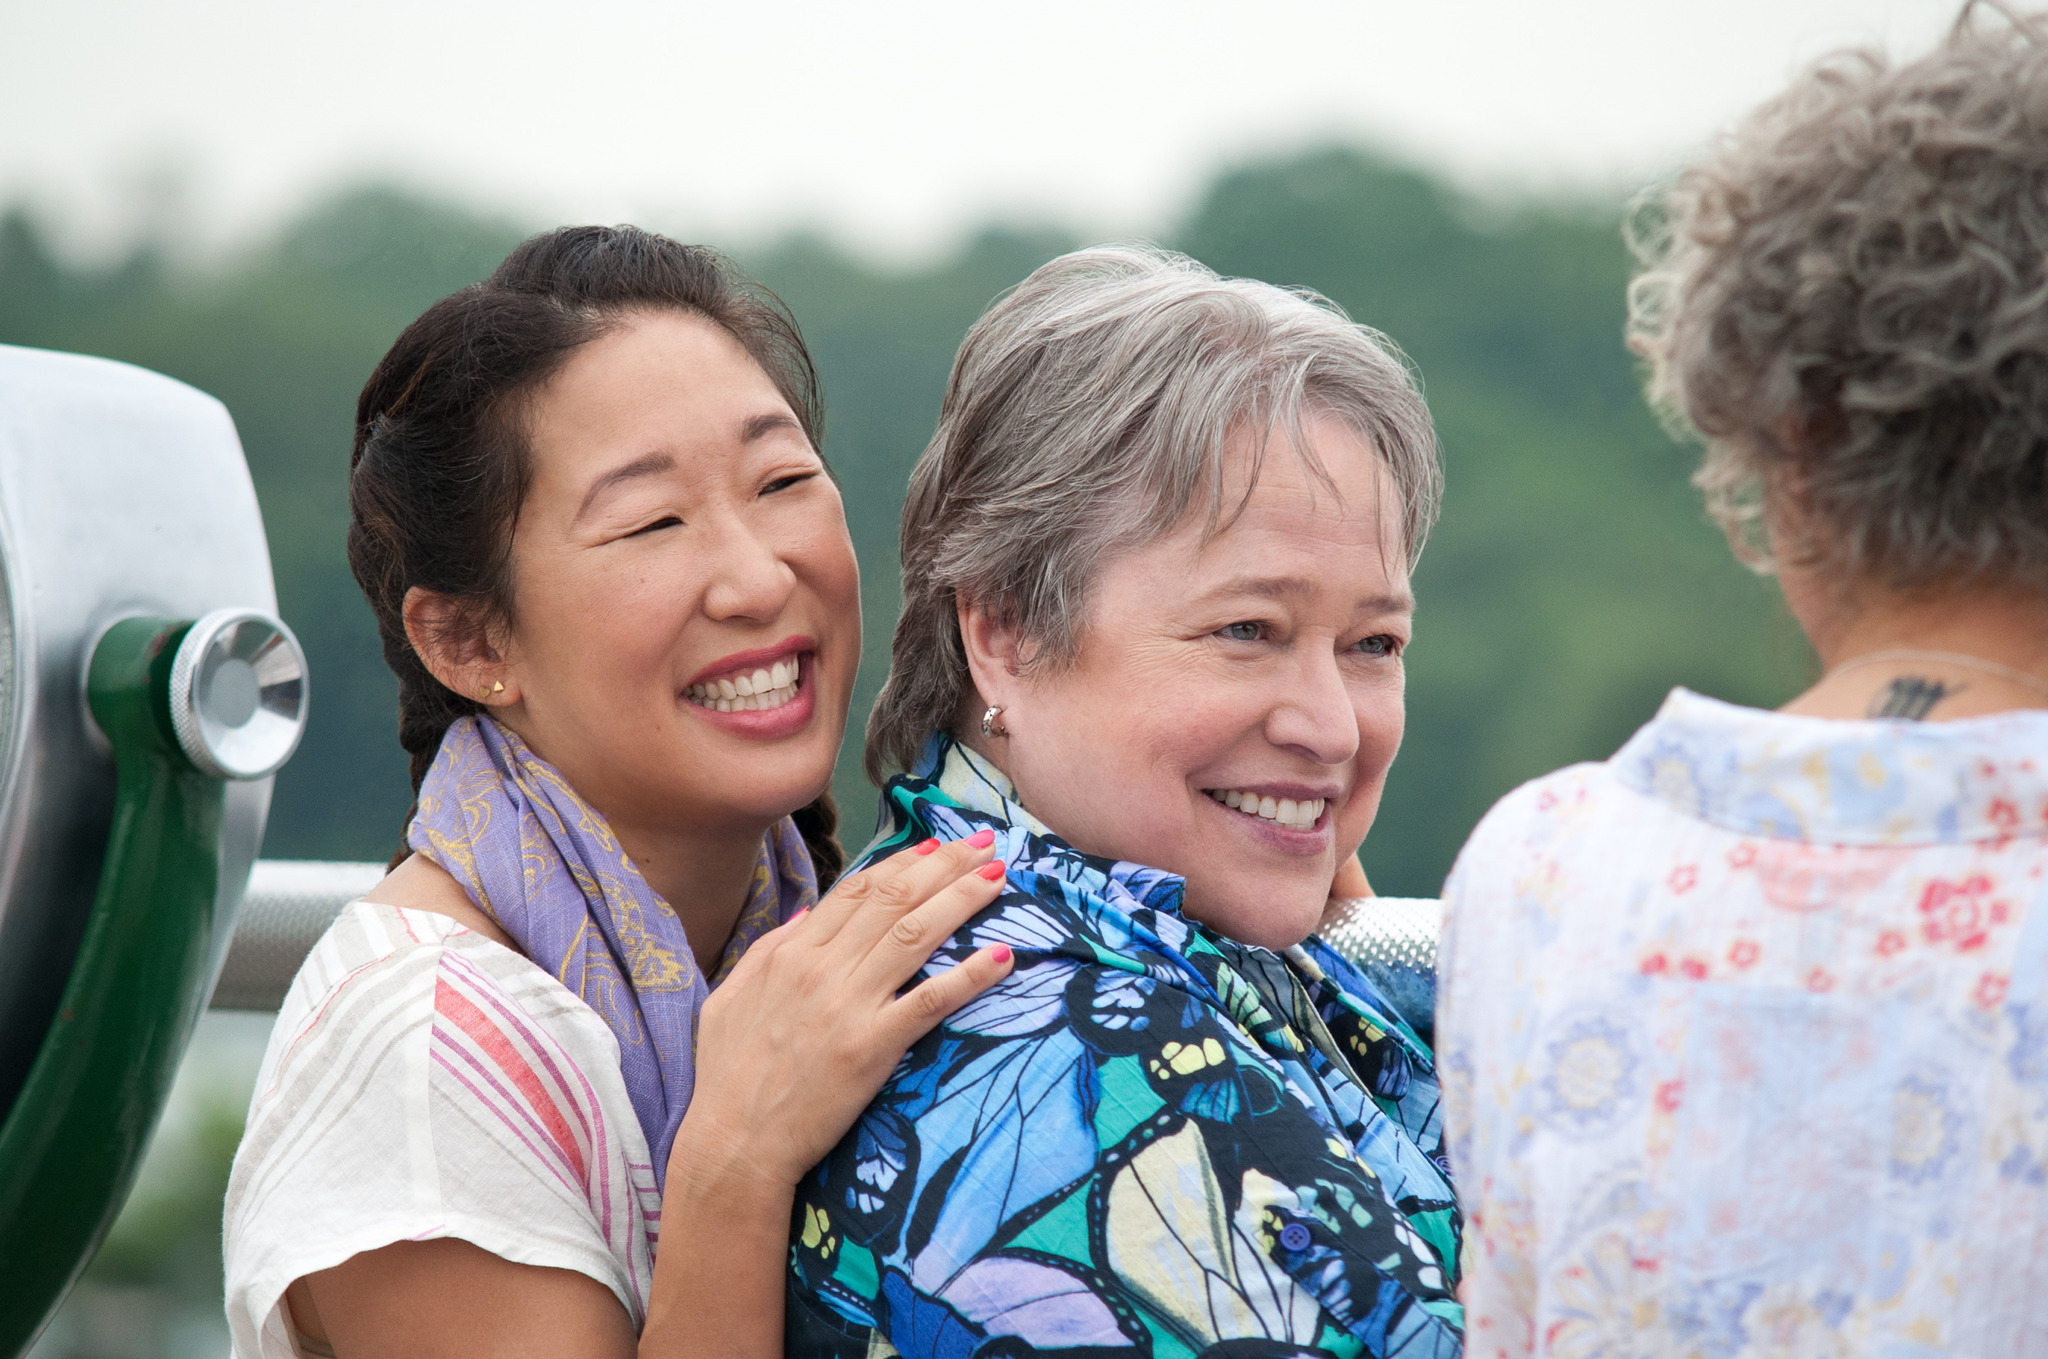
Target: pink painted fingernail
{"points": [[982, 838], [927, 847], [993, 872], [1000, 954]]}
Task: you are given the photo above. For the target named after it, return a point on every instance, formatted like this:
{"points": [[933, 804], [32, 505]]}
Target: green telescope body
{"points": [[147, 693]]}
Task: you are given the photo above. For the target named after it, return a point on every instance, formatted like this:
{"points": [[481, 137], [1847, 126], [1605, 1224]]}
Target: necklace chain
{"points": [[1968, 662]]}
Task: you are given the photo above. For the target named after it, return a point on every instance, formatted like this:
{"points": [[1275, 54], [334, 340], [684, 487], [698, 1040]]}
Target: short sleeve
{"points": [[424, 1082]]}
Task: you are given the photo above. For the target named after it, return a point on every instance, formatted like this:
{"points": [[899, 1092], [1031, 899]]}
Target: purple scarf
{"points": [[543, 863]]}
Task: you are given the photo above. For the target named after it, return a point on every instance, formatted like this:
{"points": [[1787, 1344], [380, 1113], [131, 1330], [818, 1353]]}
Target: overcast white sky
{"points": [[896, 124]]}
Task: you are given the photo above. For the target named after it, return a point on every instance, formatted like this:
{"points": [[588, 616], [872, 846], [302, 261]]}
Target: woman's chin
{"points": [[1272, 914], [753, 796]]}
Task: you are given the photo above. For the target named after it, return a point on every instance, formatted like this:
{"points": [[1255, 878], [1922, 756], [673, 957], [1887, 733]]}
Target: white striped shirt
{"points": [[424, 1082]]}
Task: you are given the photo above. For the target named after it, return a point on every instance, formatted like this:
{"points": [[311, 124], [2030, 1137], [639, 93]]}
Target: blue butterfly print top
{"points": [[1148, 1140]]}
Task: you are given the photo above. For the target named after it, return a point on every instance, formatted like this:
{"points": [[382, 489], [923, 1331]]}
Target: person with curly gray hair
{"points": [[1155, 573], [1745, 1030]]}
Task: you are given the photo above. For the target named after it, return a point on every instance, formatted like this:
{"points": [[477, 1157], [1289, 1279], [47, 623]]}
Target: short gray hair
{"points": [[1850, 295], [1085, 412]]}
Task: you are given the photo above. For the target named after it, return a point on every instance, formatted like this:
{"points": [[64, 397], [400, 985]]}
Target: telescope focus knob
{"points": [[238, 694]]}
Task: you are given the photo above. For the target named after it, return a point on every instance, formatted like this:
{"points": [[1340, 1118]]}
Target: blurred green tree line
{"points": [[1573, 579]]}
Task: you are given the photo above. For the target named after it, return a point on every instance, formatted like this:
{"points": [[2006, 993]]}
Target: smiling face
{"points": [[686, 607], [1235, 702]]}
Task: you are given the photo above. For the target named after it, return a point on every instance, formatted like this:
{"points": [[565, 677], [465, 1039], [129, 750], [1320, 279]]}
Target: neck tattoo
{"points": [[1911, 697]]}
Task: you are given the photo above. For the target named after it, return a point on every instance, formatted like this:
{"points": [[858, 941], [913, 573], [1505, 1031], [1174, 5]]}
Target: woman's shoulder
{"points": [[398, 952], [424, 1081], [383, 973], [1838, 781], [420, 884], [1566, 796]]}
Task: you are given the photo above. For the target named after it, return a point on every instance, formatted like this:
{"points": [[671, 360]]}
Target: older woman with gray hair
{"points": [[1155, 567], [1745, 1030]]}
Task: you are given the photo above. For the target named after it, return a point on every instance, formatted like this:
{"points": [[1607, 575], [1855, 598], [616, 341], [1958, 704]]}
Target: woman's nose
{"points": [[1314, 714], [749, 578]]}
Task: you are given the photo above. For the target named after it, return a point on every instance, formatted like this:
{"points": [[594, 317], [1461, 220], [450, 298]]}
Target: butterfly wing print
{"points": [[1023, 850], [1151, 888], [870, 1179], [1226, 1248], [1119, 1013], [866, 1181], [1045, 937], [1028, 1302], [1192, 1063], [1410, 1176], [919, 1327], [949, 822], [1396, 1068], [1007, 1128], [1008, 1306], [1362, 1258], [1376, 1195], [1167, 1232], [1345, 988]]}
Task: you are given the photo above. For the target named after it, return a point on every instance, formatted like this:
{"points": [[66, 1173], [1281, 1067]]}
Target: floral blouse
{"points": [[1745, 1042], [1148, 1140]]}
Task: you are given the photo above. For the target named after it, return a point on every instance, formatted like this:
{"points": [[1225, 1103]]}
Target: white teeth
{"points": [[757, 691], [1286, 811]]}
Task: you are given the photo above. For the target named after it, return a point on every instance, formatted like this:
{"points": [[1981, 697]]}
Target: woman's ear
{"points": [[453, 643], [994, 656]]}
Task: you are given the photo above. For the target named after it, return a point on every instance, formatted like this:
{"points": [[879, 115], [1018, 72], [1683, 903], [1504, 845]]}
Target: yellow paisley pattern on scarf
{"points": [[544, 835]]}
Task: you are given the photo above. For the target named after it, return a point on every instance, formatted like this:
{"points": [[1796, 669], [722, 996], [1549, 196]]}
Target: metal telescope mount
{"points": [[147, 693]]}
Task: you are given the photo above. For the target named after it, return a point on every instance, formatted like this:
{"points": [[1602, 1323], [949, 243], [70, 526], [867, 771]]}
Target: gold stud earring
{"points": [[483, 694]]}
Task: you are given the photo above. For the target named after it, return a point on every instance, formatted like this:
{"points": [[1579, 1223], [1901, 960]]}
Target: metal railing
{"points": [[290, 903]]}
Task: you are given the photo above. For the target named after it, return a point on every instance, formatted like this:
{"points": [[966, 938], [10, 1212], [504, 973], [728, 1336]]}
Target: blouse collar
{"points": [[971, 782], [1831, 781]]}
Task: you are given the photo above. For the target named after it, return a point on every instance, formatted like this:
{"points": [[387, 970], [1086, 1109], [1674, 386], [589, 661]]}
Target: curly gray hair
{"points": [[1848, 301], [1085, 413]]}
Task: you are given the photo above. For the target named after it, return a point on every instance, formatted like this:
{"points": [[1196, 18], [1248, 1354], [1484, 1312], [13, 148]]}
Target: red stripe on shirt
{"points": [[488, 1036]]}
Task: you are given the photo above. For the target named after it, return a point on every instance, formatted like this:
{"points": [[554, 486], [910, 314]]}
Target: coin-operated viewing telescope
{"points": [[147, 694]]}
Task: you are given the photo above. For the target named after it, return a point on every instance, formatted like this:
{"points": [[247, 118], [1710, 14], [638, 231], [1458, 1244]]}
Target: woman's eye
{"points": [[666, 521], [784, 483], [1241, 632], [1380, 644]]}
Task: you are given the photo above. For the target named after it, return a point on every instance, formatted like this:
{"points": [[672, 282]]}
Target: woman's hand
{"points": [[793, 1045], [790, 1049]]}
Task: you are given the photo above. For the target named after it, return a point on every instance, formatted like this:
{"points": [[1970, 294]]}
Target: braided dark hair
{"points": [[440, 466]]}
